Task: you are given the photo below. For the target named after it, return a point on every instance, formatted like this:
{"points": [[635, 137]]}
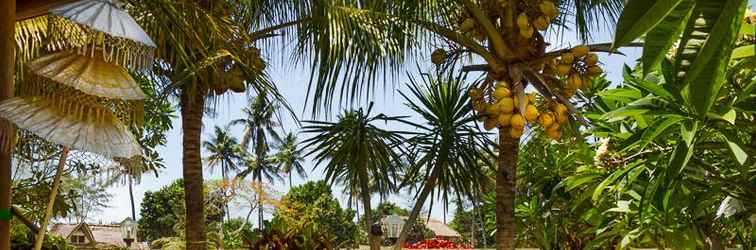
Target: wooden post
{"points": [[51, 200], [7, 72]]}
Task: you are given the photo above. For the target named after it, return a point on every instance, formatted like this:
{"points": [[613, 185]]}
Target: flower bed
{"points": [[436, 244]]}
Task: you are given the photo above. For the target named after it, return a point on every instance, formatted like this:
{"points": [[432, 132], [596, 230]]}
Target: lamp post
{"points": [[128, 231]]}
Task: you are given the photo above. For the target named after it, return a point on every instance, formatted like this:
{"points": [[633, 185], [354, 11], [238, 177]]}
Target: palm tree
{"points": [[357, 153], [201, 54], [224, 152], [260, 168], [289, 157], [447, 150], [260, 122]]}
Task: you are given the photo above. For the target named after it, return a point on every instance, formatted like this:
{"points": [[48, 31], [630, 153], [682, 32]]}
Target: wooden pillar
{"points": [[7, 72]]}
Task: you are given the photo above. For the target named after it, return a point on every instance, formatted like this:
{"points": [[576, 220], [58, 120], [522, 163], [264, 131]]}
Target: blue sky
{"points": [[292, 82]]}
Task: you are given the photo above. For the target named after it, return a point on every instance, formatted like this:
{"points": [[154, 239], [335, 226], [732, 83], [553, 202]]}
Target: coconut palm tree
{"points": [[289, 157], [260, 123], [448, 147], [259, 169], [202, 54], [354, 152], [224, 152]]}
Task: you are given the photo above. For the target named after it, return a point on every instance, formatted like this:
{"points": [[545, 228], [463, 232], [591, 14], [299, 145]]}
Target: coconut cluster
{"points": [[575, 68], [501, 109], [536, 18]]}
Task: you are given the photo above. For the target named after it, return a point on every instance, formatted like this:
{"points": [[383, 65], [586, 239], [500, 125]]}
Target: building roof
{"points": [[439, 228], [102, 234]]}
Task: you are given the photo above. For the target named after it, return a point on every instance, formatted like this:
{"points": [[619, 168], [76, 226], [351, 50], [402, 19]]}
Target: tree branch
{"points": [[599, 47], [497, 41]]}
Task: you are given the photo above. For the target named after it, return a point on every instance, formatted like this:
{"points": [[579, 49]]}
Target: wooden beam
{"points": [[7, 72], [26, 9]]}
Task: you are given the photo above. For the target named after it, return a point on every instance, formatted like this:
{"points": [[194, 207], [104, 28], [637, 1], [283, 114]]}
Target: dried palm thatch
{"points": [[76, 121], [90, 75]]}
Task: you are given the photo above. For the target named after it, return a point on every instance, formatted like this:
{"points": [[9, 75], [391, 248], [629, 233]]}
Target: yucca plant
{"points": [[446, 150]]}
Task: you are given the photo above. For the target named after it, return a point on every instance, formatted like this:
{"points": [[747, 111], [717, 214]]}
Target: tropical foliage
{"points": [[162, 213], [312, 203]]}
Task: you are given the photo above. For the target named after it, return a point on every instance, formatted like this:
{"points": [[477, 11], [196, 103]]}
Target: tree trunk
{"points": [[260, 155], [225, 206], [131, 198], [192, 107], [7, 131], [427, 188], [51, 200], [259, 203], [373, 240], [506, 189]]}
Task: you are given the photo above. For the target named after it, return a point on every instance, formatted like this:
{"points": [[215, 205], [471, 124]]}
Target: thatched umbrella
{"points": [[80, 96]]}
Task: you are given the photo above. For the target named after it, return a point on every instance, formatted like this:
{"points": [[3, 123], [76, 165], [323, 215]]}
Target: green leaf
{"points": [[657, 128], [680, 157], [663, 35], [650, 87], [640, 16], [728, 116], [576, 181], [740, 155], [748, 29], [688, 131], [743, 52], [611, 179], [706, 73], [731, 137]]}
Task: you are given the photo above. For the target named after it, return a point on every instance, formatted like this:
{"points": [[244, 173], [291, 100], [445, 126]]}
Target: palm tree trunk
{"points": [[427, 188], [259, 203], [506, 189], [225, 206], [192, 107], [131, 198], [373, 240], [51, 200], [7, 132]]}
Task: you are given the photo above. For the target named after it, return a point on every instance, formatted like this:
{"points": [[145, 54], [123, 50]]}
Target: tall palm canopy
{"points": [[261, 118], [289, 157], [224, 151], [355, 152]]}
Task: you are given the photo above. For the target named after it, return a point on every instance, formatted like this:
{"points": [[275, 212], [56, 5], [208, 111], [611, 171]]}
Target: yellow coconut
{"points": [[504, 119], [594, 70], [517, 121], [546, 119], [531, 113], [564, 69], [501, 93], [591, 59], [580, 51], [515, 132], [506, 105]]}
